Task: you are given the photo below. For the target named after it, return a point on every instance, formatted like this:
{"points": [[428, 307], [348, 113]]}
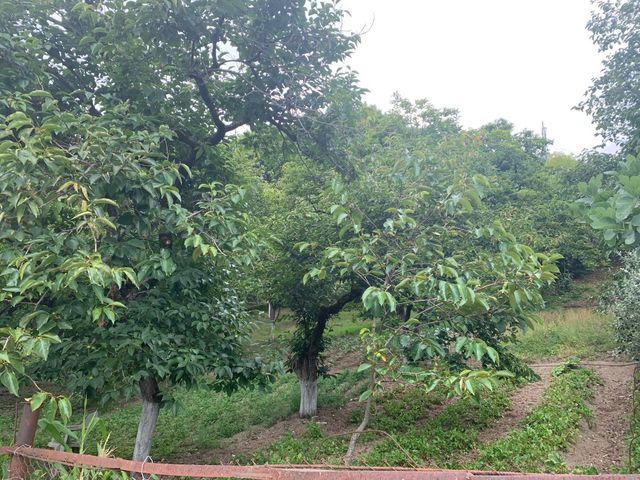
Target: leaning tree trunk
{"points": [[148, 418], [307, 373], [348, 458]]}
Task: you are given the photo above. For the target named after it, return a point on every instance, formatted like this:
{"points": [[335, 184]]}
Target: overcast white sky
{"points": [[527, 61]]}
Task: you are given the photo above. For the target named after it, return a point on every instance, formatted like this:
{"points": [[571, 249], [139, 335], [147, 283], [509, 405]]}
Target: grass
{"points": [[441, 440], [546, 431], [634, 430], [6, 427], [205, 417], [399, 413], [396, 411], [562, 333], [348, 322]]}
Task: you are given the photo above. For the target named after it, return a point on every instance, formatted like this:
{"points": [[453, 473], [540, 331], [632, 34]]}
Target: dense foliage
{"points": [[612, 99], [123, 233], [624, 301]]}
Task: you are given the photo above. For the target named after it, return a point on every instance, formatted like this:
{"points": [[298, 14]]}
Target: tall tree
{"points": [[613, 99], [121, 229]]}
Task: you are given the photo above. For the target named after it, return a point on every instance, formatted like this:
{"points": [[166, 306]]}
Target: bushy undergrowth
{"points": [[547, 430], [624, 300], [565, 332]]}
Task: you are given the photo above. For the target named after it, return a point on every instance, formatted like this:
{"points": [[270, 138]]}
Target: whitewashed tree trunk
{"points": [[148, 418], [308, 397], [272, 319]]}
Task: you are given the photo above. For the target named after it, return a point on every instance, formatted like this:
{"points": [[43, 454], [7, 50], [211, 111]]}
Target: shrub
{"points": [[624, 300]]}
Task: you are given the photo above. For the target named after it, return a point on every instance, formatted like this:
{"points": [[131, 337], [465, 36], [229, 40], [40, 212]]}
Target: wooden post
{"points": [[18, 468]]}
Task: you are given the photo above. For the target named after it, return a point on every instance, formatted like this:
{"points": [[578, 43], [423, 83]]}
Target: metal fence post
{"points": [[18, 468]]}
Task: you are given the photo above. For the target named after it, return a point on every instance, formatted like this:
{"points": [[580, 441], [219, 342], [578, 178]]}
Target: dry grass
{"points": [[567, 331]]}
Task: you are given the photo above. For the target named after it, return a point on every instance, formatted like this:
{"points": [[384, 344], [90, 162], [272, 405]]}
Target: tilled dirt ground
{"points": [[605, 445]]}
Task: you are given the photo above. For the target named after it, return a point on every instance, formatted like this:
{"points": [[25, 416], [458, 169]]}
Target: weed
{"points": [[309, 448]]}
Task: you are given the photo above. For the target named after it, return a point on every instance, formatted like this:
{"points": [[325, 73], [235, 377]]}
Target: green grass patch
{"points": [[400, 409], [396, 411], [348, 322], [442, 439], [6, 428], [546, 431], [311, 447], [435, 442], [568, 332], [205, 418]]}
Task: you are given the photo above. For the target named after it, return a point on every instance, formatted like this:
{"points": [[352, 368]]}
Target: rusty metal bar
{"points": [[284, 472]]}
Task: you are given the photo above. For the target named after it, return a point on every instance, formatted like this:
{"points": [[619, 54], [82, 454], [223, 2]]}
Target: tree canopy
{"points": [[122, 229]]}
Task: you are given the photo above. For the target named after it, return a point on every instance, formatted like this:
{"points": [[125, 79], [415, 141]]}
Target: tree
{"points": [[296, 211], [437, 279], [300, 202], [612, 99], [122, 229]]}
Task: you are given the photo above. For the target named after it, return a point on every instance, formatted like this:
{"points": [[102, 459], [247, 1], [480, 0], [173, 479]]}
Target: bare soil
{"points": [[604, 445]]}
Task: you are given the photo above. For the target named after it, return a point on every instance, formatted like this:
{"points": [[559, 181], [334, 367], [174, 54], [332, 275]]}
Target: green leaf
{"points": [[9, 380], [37, 400], [365, 395], [64, 406], [493, 354], [363, 367]]}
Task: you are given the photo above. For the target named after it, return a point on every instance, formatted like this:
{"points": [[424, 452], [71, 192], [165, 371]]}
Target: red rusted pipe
{"points": [[286, 472], [18, 468]]}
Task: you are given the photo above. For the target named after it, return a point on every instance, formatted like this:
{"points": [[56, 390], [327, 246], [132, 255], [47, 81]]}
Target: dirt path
{"points": [[605, 444], [523, 401]]}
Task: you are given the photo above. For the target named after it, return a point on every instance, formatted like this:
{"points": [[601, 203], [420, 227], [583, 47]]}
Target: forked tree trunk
{"points": [[148, 418]]}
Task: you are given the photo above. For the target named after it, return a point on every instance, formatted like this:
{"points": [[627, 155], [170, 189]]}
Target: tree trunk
{"points": [[307, 372], [308, 397], [18, 468], [348, 458], [272, 319], [305, 362], [148, 418]]}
